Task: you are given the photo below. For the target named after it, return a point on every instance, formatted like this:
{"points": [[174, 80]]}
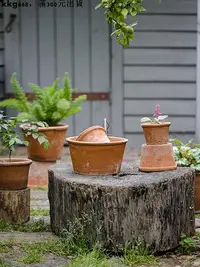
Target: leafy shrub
{"points": [[51, 105]]}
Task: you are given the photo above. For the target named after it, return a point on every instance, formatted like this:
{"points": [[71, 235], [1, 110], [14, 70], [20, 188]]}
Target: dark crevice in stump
{"points": [[154, 207]]}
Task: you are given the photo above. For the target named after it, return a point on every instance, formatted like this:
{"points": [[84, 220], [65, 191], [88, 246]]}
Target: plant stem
{"points": [[10, 152]]}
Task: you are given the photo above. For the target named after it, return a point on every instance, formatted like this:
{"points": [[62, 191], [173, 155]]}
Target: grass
{"points": [[36, 226], [39, 212], [42, 188], [32, 257]]}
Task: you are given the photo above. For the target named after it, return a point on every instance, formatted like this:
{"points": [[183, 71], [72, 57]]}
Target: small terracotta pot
{"points": [[96, 158], [197, 192], [94, 134], [56, 136], [157, 158], [156, 134], [14, 173]]}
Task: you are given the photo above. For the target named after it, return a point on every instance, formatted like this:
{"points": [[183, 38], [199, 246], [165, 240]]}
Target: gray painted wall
{"points": [[46, 42], [160, 68]]}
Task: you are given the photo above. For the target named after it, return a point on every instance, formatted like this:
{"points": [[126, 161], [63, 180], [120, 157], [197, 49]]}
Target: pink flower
{"points": [[157, 111]]}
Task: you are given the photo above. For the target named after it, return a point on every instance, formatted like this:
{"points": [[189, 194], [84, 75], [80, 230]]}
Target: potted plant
{"points": [[157, 153], [188, 155], [14, 171], [51, 105], [95, 153]]}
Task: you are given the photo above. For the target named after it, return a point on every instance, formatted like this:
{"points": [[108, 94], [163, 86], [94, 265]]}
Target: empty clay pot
{"points": [[197, 192], [157, 158], [156, 134], [14, 173], [97, 158], [56, 136], [94, 134]]}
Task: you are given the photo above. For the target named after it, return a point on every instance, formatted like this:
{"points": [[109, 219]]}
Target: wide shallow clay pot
{"points": [[157, 158], [56, 136], [94, 134], [156, 134], [14, 173], [97, 158], [197, 192]]}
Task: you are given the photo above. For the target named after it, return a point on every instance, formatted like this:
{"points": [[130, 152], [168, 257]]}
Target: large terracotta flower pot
{"points": [[14, 173], [56, 136], [197, 192], [156, 134], [157, 158], [94, 134], [97, 158]]}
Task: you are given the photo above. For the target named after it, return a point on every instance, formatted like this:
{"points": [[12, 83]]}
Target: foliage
{"points": [[187, 155], [157, 117], [138, 254], [32, 257], [9, 137], [51, 104], [186, 244], [117, 12], [39, 212]]}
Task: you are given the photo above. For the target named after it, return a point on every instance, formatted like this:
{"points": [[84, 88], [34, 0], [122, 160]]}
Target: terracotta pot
{"points": [[156, 134], [197, 192], [90, 158], [94, 134], [56, 136], [14, 173], [157, 158]]}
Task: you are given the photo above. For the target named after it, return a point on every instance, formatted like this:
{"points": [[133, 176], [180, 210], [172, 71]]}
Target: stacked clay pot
{"points": [[94, 153], [157, 154]]}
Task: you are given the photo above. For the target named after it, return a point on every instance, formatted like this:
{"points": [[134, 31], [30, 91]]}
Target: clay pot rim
{"points": [[154, 125], [15, 162], [59, 127], [86, 131], [119, 141]]}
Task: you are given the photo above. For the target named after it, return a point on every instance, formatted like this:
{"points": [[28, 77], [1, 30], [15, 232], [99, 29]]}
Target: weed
{"points": [[138, 254], [39, 212], [32, 257], [37, 226], [186, 244], [3, 264], [42, 188]]}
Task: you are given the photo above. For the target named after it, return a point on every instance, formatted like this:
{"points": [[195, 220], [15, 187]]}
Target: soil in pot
{"points": [[97, 158], [56, 136], [14, 173], [156, 134]]}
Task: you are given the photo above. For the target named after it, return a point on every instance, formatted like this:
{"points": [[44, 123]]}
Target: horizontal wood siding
{"points": [[47, 42], [160, 68]]}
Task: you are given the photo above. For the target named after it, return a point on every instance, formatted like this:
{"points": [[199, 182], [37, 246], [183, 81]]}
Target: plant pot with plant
{"points": [[51, 105], [188, 155], [95, 153], [157, 153], [14, 171]]}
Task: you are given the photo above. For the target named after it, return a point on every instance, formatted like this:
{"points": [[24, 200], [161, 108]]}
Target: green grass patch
{"points": [[3, 263], [35, 226], [39, 212], [42, 188], [32, 257]]}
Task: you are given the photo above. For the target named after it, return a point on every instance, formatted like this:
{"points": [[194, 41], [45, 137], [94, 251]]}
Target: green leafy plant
{"points": [[157, 117], [186, 244], [51, 104], [117, 12], [187, 155], [9, 137]]}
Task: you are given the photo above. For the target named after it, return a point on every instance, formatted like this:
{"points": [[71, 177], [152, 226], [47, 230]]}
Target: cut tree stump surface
{"points": [[15, 205], [153, 207]]}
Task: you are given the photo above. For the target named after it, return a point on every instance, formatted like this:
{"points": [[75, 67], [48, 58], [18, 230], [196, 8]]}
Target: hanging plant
{"points": [[117, 12]]}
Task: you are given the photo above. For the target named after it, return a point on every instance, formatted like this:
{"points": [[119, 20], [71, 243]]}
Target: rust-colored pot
{"points": [[14, 173], [197, 192], [157, 158], [95, 158], [56, 136], [94, 134], [156, 134]]}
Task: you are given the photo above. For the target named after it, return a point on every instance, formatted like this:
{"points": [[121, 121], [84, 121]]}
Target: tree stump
{"points": [[15, 205], [152, 207]]}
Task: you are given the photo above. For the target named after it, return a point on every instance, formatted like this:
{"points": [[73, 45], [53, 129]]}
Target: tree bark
{"points": [[152, 207], [15, 205]]}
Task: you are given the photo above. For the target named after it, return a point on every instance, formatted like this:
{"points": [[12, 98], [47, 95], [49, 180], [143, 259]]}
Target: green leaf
{"points": [[35, 135], [11, 142], [41, 139]]}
